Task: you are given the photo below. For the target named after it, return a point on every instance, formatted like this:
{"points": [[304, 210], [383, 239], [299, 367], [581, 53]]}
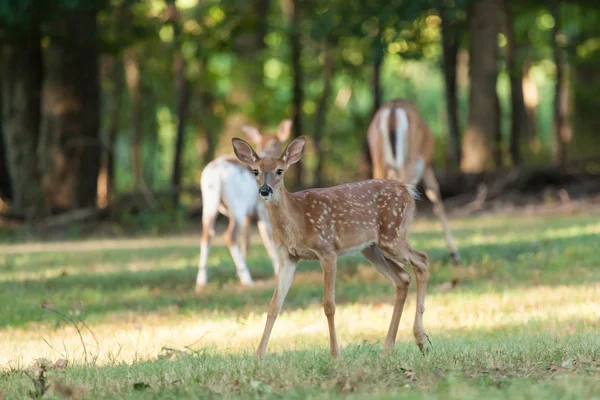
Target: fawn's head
{"points": [[269, 144], [269, 171]]}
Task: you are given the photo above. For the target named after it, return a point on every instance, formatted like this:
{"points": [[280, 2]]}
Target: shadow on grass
{"points": [[169, 280]]}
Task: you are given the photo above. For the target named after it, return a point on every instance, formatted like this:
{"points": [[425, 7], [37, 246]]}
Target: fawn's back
{"points": [[346, 218]]}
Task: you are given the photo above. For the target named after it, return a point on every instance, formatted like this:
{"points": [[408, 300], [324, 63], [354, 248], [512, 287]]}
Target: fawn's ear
{"points": [[284, 129], [252, 133], [244, 152], [293, 152]]}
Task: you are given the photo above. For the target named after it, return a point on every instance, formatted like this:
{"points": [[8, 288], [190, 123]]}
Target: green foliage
{"points": [[233, 72]]}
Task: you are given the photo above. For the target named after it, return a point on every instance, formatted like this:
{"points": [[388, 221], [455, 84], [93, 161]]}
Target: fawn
{"points": [[370, 216]]}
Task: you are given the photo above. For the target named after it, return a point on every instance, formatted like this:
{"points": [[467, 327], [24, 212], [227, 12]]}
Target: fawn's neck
{"points": [[284, 214]]}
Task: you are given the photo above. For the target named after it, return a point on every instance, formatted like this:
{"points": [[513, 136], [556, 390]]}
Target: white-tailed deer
{"points": [[229, 187], [402, 147], [320, 224]]}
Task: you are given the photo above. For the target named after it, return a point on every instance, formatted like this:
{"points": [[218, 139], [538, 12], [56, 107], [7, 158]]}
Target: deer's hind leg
{"points": [[401, 280], [405, 254], [231, 236]]}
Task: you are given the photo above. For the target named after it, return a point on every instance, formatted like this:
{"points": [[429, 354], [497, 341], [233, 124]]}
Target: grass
{"points": [[524, 323]]}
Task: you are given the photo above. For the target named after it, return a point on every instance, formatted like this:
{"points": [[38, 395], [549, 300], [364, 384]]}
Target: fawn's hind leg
{"points": [[401, 280]]}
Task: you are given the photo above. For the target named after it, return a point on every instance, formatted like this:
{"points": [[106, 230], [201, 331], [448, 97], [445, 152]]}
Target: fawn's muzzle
{"points": [[265, 190]]}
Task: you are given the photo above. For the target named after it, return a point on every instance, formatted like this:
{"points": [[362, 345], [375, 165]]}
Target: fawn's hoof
{"points": [[424, 343]]}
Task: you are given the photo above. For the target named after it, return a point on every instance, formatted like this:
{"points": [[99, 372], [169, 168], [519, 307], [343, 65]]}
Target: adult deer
{"points": [[320, 224], [229, 187], [402, 147]]}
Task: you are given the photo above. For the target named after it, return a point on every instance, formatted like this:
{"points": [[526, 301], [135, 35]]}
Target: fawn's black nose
{"points": [[265, 190]]}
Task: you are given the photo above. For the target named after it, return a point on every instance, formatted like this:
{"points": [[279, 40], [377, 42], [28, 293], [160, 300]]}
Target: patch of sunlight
{"points": [[215, 15], [186, 4], [309, 107], [193, 27], [166, 33], [394, 48], [545, 21], [129, 336], [547, 234], [502, 40], [588, 47], [273, 68], [157, 7], [274, 39], [433, 21]]}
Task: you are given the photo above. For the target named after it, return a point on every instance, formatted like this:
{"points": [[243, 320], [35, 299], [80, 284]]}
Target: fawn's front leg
{"points": [[285, 275], [329, 265]]}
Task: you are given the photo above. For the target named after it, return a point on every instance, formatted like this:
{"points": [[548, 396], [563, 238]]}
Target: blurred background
{"points": [[111, 108]]}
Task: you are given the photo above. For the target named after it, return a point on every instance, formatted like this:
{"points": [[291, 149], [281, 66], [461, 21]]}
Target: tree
{"points": [[322, 107], [113, 101], [519, 117], [450, 55], [298, 80], [483, 128], [133, 75], [70, 143], [181, 92], [562, 128], [21, 86], [5, 184]]}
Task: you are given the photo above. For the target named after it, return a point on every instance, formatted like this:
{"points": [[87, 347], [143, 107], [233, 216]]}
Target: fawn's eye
{"points": [[255, 172], [279, 172]]}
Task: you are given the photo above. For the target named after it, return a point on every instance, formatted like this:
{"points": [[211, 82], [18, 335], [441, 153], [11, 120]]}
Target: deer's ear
{"points": [[293, 152], [244, 152], [284, 129], [252, 133]]}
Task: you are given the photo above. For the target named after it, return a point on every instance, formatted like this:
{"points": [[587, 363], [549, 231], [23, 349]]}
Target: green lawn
{"points": [[524, 323]]}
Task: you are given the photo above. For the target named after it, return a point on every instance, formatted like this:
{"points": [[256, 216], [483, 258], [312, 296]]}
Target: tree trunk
{"points": [[114, 100], [150, 162], [366, 167], [483, 129], [70, 135], [562, 129], [181, 92], [518, 126], [207, 113], [321, 116], [450, 54], [298, 85], [5, 184], [376, 82], [262, 13], [132, 72], [21, 95]]}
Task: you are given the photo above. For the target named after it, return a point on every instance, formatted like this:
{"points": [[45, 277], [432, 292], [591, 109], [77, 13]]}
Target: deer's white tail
{"points": [[394, 142], [401, 133]]}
